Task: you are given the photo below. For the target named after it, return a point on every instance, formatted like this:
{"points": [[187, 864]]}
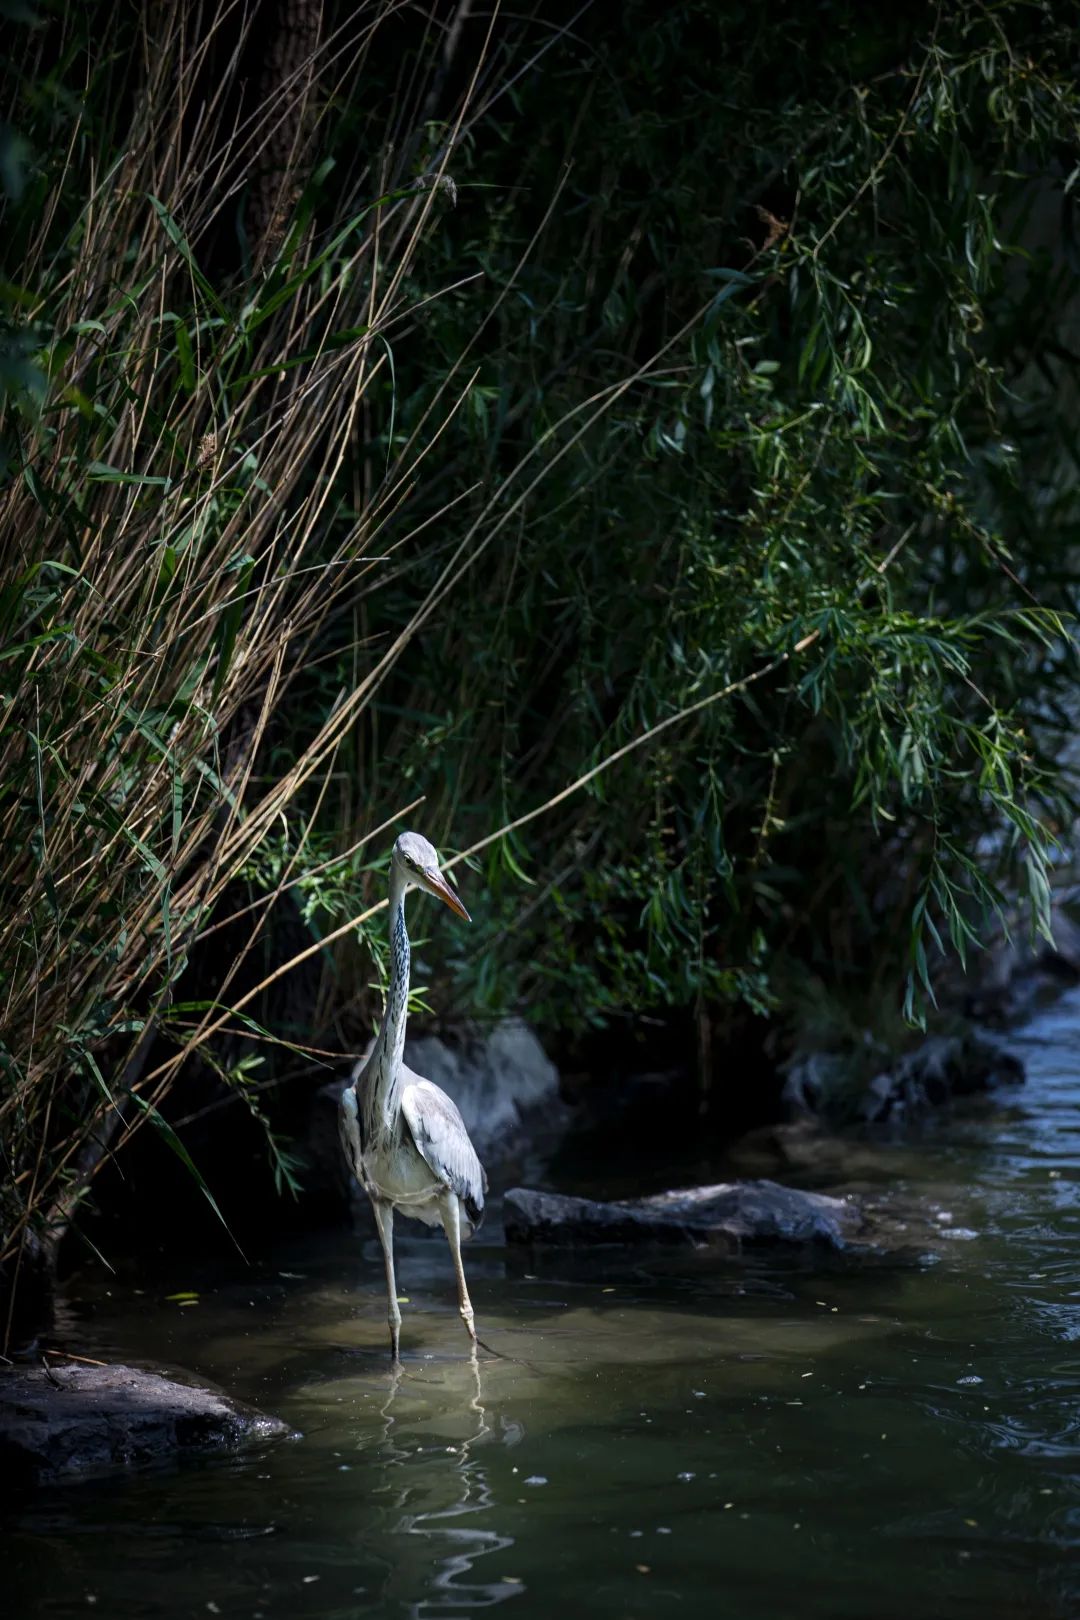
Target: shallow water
{"points": [[668, 1434]]}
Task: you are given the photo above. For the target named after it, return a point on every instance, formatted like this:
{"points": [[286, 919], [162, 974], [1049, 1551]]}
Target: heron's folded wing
{"points": [[439, 1134], [349, 1131]]}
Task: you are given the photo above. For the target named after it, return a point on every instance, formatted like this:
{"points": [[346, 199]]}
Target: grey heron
{"points": [[404, 1138]]}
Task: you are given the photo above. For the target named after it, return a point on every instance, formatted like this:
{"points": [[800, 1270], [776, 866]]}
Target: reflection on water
{"points": [[449, 1543], [664, 1433]]}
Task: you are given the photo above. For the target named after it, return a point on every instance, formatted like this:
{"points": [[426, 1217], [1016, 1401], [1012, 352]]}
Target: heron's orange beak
{"points": [[438, 885]]}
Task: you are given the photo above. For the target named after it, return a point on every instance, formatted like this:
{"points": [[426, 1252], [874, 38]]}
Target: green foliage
{"points": [[854, 455]]}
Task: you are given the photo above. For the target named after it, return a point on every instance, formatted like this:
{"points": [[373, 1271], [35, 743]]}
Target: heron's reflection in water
{"points": [[439, 1501]]}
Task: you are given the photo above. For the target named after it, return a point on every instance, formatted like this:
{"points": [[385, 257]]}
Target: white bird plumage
{"points": [[403, 1137]]}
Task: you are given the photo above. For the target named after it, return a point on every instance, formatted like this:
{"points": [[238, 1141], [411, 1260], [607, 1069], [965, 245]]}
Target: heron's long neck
{"points": [[384, 1069]]}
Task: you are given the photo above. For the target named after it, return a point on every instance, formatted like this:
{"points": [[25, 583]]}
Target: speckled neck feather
{"points": [[383, 1074]]}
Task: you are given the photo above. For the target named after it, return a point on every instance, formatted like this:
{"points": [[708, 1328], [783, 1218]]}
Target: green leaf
{"points": [[180, 242], [170, 1137], [186, 356], [230, 624], [101, 472]]}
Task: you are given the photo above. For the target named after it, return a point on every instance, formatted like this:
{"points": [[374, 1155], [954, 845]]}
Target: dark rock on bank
{"points": [[838, 1086], [1016, 974], [728, 1214], [942, 1067], [75, 1420]]}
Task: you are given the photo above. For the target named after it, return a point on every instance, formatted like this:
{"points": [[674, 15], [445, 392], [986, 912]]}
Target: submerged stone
{"points": [[75, 1420], [729, 1214]]}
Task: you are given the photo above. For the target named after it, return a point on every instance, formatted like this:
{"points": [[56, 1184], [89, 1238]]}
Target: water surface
{"points": [[659, 1434]]}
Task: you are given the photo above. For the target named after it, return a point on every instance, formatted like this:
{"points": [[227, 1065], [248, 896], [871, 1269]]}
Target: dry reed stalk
{"points": [[174, 546], [171, 538]]}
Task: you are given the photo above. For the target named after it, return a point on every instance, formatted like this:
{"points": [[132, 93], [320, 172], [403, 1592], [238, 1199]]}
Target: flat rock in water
{"points": [[85, 1420], [728, 1213]]}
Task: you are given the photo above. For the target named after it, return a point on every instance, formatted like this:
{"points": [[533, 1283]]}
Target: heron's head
{"points": [[418, 863]]}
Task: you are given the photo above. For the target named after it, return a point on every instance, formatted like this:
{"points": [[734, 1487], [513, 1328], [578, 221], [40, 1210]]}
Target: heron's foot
{"points": [[470, 1325], [395, 1339]]}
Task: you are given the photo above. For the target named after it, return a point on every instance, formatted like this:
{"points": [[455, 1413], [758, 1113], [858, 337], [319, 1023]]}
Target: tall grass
{"points": [[201, 473]]}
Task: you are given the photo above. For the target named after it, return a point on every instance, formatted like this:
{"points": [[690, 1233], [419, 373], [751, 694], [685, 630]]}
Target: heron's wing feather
{"points": [[349, 1128], [439, 1135]]}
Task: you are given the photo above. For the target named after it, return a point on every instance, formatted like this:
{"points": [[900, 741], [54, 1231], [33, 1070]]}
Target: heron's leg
{"points": [[384, 1220], [451, 1219]]}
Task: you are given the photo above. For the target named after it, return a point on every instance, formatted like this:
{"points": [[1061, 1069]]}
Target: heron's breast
{"points": [[397, 1173]]}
